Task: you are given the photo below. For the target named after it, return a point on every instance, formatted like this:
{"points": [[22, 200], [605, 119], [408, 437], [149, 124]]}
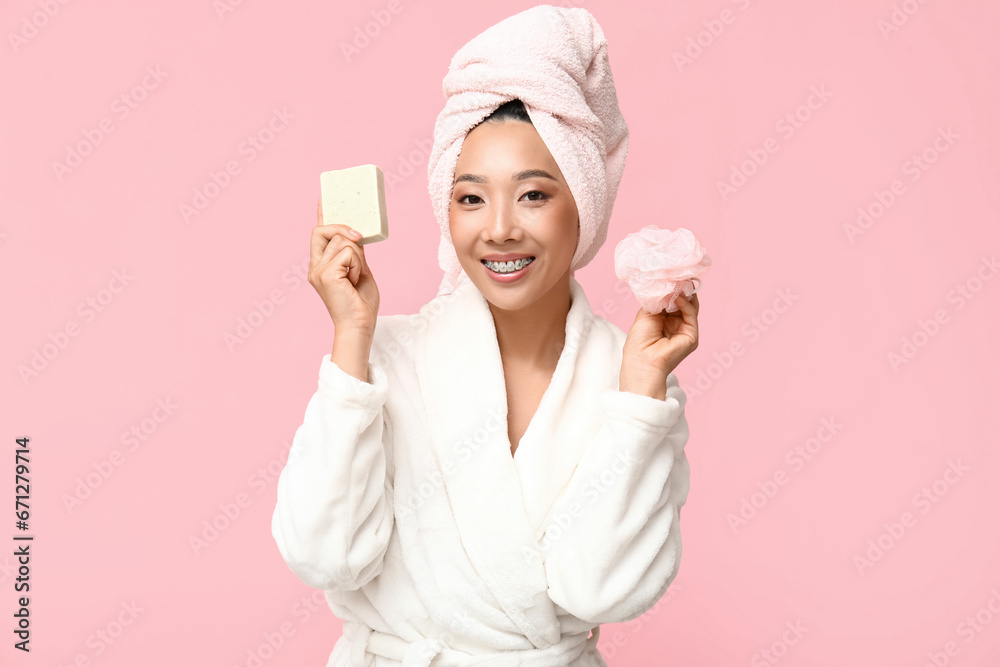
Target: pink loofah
{"points": [[659, 265]]}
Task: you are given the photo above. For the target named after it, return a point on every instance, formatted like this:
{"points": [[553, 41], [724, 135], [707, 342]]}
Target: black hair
{"points": [[513, 110]]}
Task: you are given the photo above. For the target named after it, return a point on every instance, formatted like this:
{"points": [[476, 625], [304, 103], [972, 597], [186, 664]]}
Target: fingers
{"points": [[687, 313], [338, 254], [345, 253], [346, 257], [687, 304], [689, 308], [325, 236]]}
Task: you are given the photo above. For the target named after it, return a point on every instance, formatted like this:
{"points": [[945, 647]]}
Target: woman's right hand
{"points": [[340, 274]]}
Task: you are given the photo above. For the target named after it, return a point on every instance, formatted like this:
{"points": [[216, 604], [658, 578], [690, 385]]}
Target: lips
{"points": [[505, 257]]}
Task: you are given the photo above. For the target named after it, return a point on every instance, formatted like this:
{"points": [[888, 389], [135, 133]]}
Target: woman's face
{"points": [[511, 199]]}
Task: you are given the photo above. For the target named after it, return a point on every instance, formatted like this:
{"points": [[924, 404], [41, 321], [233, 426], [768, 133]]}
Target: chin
{"points": [[507, 302], [506, 297]]}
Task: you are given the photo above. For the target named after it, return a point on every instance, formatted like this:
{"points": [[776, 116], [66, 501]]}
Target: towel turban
{"points": [[555, 60]]}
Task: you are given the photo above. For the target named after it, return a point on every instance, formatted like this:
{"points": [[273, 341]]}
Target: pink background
{"points": [[184, 286]]}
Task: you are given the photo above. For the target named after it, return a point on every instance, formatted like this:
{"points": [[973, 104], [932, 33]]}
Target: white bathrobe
{"points": [[402, 501]]}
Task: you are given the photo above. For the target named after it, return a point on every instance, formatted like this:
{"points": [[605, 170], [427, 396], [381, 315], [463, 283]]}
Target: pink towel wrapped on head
{"points": [[555, 60]]}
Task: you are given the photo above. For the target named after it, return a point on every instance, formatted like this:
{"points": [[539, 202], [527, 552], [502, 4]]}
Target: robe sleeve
{"points": [[333, 516], [612, 543]]}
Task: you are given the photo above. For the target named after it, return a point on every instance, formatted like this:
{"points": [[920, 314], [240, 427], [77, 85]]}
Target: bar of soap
{"points": [[356, 197]]}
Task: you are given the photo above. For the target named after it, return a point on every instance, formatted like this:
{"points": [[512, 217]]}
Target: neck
{"points": [[536, 334]]}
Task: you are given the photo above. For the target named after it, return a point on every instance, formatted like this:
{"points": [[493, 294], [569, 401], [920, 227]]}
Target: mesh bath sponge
{"points": [[659, 265]]}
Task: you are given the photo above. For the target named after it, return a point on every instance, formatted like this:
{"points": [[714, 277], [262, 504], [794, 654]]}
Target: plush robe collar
{"points": [[499, 501]]}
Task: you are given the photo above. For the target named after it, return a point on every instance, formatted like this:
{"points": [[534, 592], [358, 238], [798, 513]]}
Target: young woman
{"points": [[488, 480]]}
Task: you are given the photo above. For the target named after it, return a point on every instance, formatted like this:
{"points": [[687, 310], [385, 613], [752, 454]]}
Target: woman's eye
{"points": [[541, 196], [462, 199]]}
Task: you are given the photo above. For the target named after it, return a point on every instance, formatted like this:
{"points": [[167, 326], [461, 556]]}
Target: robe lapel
{"points": [[460, 373], [568, 417]]}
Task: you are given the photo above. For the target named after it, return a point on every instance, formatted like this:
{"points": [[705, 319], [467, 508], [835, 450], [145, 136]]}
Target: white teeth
{"points": [[507, 267]]}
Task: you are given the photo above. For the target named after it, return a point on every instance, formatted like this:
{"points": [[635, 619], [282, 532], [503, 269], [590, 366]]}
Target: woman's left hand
{"points": [[655, 345]]}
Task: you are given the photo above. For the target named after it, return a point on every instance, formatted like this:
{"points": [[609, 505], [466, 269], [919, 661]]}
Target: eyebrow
{"points": [[519, 176]]}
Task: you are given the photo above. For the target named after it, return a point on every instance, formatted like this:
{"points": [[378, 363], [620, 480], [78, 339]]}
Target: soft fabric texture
{"points": [[402, 501], [555, 60], [659, 265]]}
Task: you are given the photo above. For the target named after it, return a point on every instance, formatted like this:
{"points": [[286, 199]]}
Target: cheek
{"points": [[570, 229], [459, 232], [454, 222]]}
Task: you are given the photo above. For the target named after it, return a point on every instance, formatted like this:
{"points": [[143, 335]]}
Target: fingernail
{"points": [[355, 233]]}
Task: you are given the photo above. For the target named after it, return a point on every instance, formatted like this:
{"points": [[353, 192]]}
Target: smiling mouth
{"points": [[508, 267]]}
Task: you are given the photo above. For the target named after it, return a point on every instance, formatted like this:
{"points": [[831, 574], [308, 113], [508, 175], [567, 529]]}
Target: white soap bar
{"points": [[356, 197]]}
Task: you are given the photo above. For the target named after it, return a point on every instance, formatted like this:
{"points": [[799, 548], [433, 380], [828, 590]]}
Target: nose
{"points": [[502, 224]]}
